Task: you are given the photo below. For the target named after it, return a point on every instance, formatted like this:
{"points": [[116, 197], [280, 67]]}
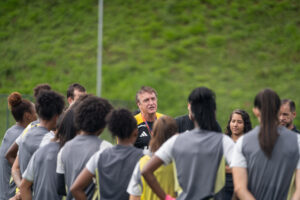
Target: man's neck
{"points": [[149, 117]]}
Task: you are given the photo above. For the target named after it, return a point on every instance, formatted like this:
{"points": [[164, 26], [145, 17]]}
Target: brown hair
{"points": [[144, 89], [19, 106], [163, 128], [268, 103]]}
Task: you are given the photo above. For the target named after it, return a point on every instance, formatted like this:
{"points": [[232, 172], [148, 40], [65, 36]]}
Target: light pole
{"points": [[99, 53]]}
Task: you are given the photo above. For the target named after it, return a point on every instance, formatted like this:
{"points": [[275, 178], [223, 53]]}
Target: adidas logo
{"points": [[143, 134]]}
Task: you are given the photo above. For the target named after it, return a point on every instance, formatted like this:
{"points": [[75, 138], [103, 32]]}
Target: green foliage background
{"points": [[235, 47]]}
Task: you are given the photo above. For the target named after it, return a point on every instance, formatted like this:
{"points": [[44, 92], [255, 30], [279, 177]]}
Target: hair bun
{"points": [[14, 99]]}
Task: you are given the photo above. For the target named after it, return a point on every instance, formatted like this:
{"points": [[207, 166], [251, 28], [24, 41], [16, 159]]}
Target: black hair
{"points": [[246, 120], [19, 106], [66, 128], [291, 104], [72, 88], [203, 106], [49, 104], [39, 88], [121, 123], [268, 103], [90, 114]]}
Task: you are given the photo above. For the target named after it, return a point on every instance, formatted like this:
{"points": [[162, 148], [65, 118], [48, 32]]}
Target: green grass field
{"points": [[235, 48]]}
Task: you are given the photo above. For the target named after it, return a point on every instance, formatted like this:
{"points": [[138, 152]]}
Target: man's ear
{"points": [[190, 111], [70, 100], [138, 105], [135, 133], [294, 115]]}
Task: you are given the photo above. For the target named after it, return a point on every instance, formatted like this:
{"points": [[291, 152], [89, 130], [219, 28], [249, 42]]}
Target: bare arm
{"points": [[228, 170], [11, 153], [82, 181], [296, 195], [147, 172], [25, 189], [132, 197], [16, 173], [240, 180]]}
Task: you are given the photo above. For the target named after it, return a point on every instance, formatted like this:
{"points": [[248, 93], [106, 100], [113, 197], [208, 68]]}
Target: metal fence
{"points": [[7, 120]]}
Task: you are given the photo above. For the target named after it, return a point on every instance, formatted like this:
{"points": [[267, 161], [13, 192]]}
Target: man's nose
{"points": [[281, 117]]}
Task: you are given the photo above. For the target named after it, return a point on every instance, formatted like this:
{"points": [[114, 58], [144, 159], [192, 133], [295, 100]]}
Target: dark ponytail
{"points": [[268, 102], [203, 106]]}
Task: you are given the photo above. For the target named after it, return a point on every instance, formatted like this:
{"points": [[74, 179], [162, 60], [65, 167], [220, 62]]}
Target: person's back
{"points": [[163, 128], [115, 167], [270, 178], [165, 176], [203, 150], [197, 154], [89, 117], [39, 178], [76, 153], [7, 189], [49, 105], [41, 171], [266, 158], [30, 143]]}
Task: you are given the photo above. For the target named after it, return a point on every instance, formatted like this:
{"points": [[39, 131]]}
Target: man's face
{"points": [[286, 117], [147, 103], [77, 94]]}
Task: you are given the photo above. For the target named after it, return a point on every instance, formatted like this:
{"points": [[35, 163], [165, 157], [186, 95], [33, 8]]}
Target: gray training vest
{"points": [[30, 143], [197, 155], [45, 179], [75, 154], [7, 188], [271, 178], [115, 167]]}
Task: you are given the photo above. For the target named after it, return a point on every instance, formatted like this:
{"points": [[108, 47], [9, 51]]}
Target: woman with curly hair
{"points": [[23, 112], [238, 124]]}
